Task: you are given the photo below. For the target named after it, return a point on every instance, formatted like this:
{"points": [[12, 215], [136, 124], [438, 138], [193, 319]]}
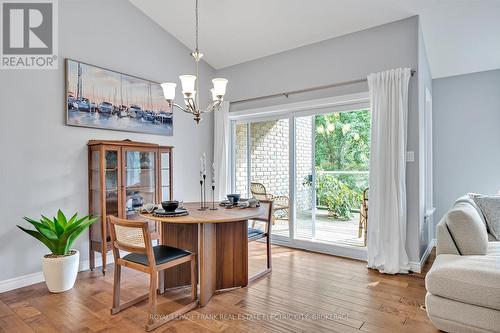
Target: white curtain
{"points": [[387, 195], [222, 137]]}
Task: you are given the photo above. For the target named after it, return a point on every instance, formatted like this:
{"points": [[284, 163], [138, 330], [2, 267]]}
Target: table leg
{"points": [[207, 261], [232, 255], [183, 236], [222, 250]]}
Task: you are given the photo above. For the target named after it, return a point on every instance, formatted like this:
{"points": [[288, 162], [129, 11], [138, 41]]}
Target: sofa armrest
{"points": [[444, 241]]}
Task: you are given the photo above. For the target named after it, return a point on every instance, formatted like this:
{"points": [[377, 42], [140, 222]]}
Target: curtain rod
{"points": [[288, 93]]}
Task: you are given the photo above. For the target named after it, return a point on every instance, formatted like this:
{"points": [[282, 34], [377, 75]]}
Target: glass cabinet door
{"points": [[111, 182], [139, 180], [104, 185], [95, 193], [165, 175]]}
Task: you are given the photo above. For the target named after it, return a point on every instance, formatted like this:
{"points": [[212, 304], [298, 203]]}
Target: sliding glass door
{"points": [[315, 166], [261, 155], [331, 174]]}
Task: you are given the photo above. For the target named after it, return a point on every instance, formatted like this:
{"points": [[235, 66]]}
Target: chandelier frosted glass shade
{"points": [[169, 90], [219, 86], [188, 83]]}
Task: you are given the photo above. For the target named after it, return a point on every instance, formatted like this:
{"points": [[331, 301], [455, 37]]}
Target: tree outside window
{"points": [[342, 144]]}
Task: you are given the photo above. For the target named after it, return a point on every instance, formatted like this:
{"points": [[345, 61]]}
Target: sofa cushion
{"points": [[468, 279], [458, 317], [490, 207], [467, 229], [494, 250]]}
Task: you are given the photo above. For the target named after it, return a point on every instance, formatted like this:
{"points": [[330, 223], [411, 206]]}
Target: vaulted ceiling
{"points": [[461, 36]]}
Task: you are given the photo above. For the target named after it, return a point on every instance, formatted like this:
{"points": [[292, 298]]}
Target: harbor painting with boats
{"points": [[101, 98]]}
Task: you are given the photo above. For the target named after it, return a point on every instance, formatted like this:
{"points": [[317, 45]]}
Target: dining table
{"points": [[218, 237]]}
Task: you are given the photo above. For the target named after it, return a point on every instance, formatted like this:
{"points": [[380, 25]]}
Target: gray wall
{"points": [[466, 116], [341, 59], [43, 161]]}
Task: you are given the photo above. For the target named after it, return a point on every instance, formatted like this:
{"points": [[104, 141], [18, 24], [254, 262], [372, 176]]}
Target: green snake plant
{"points": [[59, 233]]}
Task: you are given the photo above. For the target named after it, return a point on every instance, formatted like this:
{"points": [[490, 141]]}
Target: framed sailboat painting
{"points": [[102, 98]]}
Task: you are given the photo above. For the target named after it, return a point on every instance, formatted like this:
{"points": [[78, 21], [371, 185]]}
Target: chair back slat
{"points": [[131, 236]]}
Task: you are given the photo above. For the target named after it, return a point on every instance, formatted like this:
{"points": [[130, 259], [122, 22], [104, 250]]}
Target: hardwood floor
{"points": [[306, 292]]}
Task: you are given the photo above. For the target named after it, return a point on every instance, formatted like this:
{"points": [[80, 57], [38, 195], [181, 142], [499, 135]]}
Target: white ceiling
{"points": [[461, 36]]}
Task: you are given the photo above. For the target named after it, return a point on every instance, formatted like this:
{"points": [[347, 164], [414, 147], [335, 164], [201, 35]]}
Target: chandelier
{"points": [[190, 87]]}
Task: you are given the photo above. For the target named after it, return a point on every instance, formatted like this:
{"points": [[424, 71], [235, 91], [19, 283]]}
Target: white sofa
{"points": [[463, 285]]}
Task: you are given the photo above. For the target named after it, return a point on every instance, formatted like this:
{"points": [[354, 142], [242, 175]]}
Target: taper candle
{"points": [[213, 174], [204, 158]]}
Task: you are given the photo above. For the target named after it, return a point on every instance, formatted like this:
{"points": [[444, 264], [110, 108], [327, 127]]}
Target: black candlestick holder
{"points": [[201, 195], [205, 206], [213, 199]]}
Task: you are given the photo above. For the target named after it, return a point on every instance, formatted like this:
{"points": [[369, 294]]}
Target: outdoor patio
{"points": [[328, 230]]}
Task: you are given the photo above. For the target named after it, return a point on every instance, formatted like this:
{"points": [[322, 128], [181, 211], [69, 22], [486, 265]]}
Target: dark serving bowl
{"points": [[234, 198], [170, 206]]}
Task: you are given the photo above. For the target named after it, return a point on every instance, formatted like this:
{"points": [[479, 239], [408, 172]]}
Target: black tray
{"points": [[177, 212]]}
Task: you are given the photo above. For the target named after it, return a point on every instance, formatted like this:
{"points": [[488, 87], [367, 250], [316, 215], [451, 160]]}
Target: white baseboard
{"points": [[417, 266], [21, 281], [29, 279]]}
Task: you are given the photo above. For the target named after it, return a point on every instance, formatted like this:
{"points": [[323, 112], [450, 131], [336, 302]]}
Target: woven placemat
{"points": [[159, 213]]}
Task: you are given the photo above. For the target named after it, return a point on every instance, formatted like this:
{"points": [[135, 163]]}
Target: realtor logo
{"points": [[29, 34]]}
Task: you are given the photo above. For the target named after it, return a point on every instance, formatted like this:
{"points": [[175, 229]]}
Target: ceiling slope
{"points": [[461, 36]]}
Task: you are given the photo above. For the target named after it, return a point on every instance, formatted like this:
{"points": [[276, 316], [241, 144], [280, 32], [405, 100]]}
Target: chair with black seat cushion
{"points": [[255, 234], [135, 237]]}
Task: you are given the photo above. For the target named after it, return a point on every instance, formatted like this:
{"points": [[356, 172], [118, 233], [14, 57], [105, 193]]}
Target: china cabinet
{"points": [[123, 175]]}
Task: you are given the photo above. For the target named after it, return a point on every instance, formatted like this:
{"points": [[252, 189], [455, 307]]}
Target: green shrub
{"points": [[338, 197]]}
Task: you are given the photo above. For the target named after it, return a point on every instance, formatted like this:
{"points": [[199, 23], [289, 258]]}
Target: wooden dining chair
{"points": [[255, 234], [135, 237]]}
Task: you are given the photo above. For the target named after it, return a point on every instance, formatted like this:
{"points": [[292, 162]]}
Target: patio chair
{"points": [[363, 217], [281, 202]]}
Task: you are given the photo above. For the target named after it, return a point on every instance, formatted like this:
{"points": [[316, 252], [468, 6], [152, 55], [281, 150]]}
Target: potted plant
{"points": [[60, 267]]}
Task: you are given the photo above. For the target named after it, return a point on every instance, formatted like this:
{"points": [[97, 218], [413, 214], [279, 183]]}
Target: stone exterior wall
{"points": [[269, 154]]}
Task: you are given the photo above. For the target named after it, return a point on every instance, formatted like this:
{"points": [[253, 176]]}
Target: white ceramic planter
{"points": [[60, 273]]}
